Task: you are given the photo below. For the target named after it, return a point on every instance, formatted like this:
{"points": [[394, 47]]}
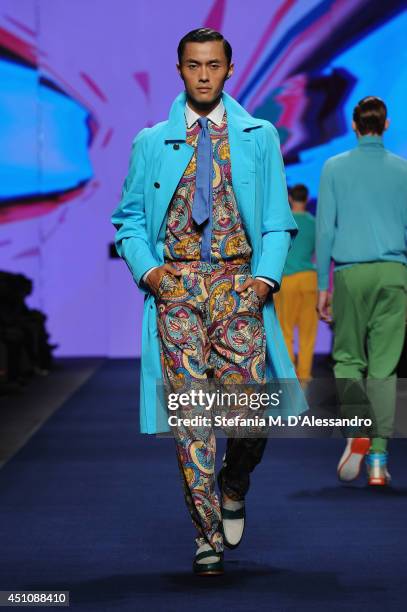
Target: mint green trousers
{"points": [[369, 315]]}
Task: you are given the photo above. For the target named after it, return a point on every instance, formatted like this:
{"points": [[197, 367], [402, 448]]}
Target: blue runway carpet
{"points": [[92, 507]]}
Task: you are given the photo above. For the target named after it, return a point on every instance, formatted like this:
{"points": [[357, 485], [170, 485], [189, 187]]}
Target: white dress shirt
{"points": [[216, 115]]}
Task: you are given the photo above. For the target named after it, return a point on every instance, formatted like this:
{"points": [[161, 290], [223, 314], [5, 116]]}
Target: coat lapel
{"points": [[242, 158], [173, 165], [173, 161]]}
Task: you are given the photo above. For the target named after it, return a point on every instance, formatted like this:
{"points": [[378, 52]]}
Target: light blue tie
{"points": [[202, 206]]}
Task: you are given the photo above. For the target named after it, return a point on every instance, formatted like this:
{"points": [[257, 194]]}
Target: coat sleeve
{"points": [[129, 218], [278, 225], [326, 221]]}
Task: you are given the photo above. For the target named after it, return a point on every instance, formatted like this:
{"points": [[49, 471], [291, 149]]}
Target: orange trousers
{"points": [[296, 307]]}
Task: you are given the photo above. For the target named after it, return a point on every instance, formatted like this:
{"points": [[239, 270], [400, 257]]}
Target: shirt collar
{"points": [[370, 140], [216, 115]]}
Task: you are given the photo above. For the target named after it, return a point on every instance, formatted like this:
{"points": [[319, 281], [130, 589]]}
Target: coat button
{"points": [[157, 185], [176, 147]]}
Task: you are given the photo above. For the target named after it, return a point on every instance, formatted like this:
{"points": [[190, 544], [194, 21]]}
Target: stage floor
{"points": [[90, 506]]}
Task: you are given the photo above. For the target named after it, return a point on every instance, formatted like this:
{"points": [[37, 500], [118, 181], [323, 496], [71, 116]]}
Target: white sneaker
{"points": [[351, 460], [376, 465]]}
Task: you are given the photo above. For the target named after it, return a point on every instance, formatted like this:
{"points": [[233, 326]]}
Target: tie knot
{"points": [[203, 122]]}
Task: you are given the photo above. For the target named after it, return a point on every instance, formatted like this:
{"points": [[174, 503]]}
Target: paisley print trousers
{"points": [[207, 329]]}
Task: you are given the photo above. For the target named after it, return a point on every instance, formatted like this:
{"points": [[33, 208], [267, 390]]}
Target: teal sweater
{"points": [[300, 255], [362, 208]]}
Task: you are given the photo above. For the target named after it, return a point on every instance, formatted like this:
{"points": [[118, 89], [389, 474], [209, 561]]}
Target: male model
{"points": [[361, 225], [297, 299], [204, 226]]}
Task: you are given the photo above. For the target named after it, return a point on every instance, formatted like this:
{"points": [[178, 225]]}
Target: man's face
{"points": [[204, 69]]}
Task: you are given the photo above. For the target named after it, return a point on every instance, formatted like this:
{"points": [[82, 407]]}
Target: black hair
{"points": [[370, 115], [203, 35], [299, 193]]}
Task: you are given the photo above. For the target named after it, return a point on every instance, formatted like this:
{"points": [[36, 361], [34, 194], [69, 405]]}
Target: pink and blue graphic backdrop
{"points": [[79, 79]]}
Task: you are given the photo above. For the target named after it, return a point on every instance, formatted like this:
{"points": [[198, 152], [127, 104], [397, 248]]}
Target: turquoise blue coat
{"points": [[258, 177]]}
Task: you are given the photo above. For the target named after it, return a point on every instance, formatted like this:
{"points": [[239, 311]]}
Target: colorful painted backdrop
{"points": [[78, 79]]}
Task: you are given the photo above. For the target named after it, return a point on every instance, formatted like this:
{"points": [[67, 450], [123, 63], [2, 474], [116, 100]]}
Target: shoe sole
{"points": [[377, 482], [230, 546], [349, 468], [209, 571]]}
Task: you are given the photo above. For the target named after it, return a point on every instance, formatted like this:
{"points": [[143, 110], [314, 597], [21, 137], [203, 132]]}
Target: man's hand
{"points": [[260, 287], [154, 277], [324, 306]]}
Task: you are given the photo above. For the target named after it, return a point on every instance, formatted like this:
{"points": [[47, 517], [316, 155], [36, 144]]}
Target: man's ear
{"points": [[230, 71], [386, 124], [179, 70]]}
